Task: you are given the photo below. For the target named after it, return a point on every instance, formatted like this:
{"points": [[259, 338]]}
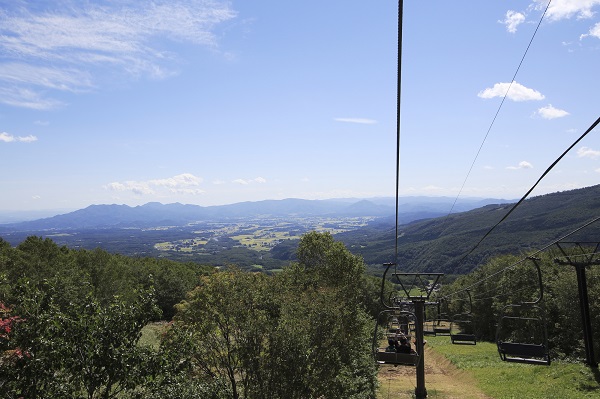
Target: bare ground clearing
{"points": [[442, 380]]}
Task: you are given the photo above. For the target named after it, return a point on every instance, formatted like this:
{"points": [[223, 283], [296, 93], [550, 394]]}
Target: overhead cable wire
{"points": [[513, 291], [499, 108], [398, 91], [532, 187], [398, 95], [480, 281]]}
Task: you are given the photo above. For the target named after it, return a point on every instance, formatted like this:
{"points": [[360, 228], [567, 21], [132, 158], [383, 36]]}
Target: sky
{"points": [[218, 102]]}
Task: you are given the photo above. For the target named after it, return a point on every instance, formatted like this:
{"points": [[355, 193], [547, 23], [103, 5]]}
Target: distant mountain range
{"points": [[430, 237], [155, 214]]}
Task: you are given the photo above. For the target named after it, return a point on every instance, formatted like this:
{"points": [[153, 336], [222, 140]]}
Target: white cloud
{"points": [[514, 91], [563, 9], [356, 120], [522, 165], [138, 188], [182, 180], [594, 32], [244, 182], [586, 152], [180, 184], [513, 20], [549, 112], [27, 139], [84, 41], [9, 138]]}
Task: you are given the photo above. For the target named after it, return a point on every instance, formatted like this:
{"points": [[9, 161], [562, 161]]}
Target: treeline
{"points": [[511, 280], [71, 322]]}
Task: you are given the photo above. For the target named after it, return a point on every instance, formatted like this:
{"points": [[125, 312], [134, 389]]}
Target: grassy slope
{"points": [[501, 380], [473, 372]]}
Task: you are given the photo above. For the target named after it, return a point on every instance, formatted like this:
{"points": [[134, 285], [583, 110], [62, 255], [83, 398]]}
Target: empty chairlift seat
{"points": [[441, 325], [521, 336], [524, 353], [461, 329]]}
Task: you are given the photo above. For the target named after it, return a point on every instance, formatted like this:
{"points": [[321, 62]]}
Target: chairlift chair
{"points": [[442, 324], [428, 328], [529, 320], [461, 327], [521, 334], [405, 359], [395, 358]]}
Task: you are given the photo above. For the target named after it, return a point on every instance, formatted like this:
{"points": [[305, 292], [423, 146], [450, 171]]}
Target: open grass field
{"points": [[476, 371]]}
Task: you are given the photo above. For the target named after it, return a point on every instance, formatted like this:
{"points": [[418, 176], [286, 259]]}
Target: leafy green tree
{"points": [[231, 315], [85, 350], [105, 358], [303, 333]]}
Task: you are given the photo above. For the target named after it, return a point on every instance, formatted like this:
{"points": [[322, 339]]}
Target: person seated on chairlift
{"points": [[403, 346], [392, 345]]}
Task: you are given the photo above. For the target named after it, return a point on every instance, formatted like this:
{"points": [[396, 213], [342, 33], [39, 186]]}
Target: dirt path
{"points": [[442, 380]]}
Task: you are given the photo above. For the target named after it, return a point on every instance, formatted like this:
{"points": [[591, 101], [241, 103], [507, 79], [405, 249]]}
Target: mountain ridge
{"points": [[154, 214]]}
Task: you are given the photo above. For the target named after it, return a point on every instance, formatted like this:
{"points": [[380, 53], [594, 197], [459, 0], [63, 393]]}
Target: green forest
{"points": [[74, 322]]}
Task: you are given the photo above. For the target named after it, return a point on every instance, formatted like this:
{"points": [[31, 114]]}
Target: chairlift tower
{"points": [[418, 292], [580, 262]]}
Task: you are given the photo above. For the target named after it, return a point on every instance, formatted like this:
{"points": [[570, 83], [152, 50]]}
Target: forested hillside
{"points": [[439, 245]]}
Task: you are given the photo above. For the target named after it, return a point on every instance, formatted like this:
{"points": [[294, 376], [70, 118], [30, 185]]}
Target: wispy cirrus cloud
{"points": [[184, 183], [514, 91], [9, 138], [84, 41]]}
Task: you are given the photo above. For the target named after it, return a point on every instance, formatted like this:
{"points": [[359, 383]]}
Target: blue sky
{"points": [[216, 102]]}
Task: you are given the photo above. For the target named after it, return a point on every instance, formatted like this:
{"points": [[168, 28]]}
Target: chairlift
{"points": [[441, 325], [461, 327], [521, 334], [428, 324], [428, 328], [395, 358]]}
